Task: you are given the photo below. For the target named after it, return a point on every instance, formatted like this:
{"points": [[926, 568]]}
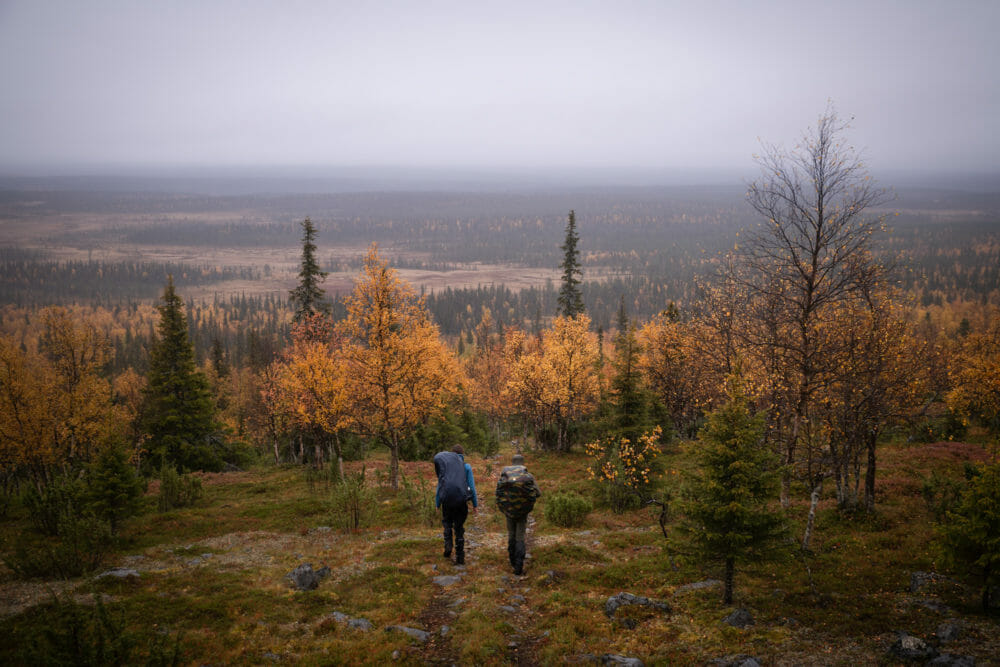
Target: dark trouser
{"points": [[453, 517], [516, 542]]}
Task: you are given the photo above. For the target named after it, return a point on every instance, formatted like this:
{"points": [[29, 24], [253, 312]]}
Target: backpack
{"points": [[450, 469], [516, 492]]}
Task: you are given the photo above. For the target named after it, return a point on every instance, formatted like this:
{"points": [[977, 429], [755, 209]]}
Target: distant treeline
{"points": [[26, 279]]}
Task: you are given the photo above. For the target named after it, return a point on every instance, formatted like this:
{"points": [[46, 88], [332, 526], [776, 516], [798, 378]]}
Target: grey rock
{"points": [[339, 616], [447, 580], [952, 660], [698, 585], [360, 624], [950, 630], [738, 660], [323, 572], [918, 580], [322, 529], [509, 609], [273, 657], [740, 618], [517, 599], [304, 578], [615, 602], [414, 633], [194, 561], [455, 604], [908, 647], [395, 654], [933, 605], [445, 629], [612, 659], [119, 573], [135, 558]]}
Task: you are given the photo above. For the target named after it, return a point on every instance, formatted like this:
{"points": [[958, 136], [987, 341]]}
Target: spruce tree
{"points": [[307, 297], [179, 416], [726, 513], [630, 402], [570, 297]]}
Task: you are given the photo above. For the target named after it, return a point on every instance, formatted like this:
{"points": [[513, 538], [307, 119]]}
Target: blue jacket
{"points": [[470, 483]]}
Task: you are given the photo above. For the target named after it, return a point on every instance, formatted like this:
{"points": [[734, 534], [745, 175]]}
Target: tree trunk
{"points": [[727, 592], [870, 474], [340, 455], [810, 522], [986, 588], [277, 457], [394, 462]]}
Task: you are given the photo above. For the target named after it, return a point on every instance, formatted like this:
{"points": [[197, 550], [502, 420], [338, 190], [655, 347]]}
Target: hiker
{"points": [[516, 494], [455, 489]]}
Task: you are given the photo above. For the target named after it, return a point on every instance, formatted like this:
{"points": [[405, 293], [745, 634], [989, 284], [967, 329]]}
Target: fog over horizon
{"points": [[631, 92]]}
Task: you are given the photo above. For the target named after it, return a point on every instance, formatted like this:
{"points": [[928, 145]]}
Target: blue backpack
{"points": [[450, 469]]}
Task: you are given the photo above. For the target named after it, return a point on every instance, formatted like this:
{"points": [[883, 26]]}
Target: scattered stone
{"points": [[395, 654], [339, 616], [193, 562], [455, 604], [509, 609], [553, 577], [389, 534], [323, 572], [206, 556], [445, 630], [950, 630], [932, 605], [304, 578], [360, 624], [135, 558], [119, 573], [414, 633], [273, 657], [323, 529], [698, 585], [611, 659], [517, 599], [447, 580], [738, 660], [740, 618], [952, 660], [627, 599], [919, 580], [908, 647]]}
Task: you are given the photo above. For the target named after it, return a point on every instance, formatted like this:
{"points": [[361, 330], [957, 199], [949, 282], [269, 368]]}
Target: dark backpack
{"points": [[516, 492], [452, 487]]}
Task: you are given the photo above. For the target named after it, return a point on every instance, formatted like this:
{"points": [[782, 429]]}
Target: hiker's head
{"points": [[458, 450], [517, 460]]}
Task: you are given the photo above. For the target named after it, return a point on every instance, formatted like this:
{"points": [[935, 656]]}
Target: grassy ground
{"points": [[213, 580]]}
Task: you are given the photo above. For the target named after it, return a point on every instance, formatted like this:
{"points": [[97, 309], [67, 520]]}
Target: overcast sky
{"points": [[668, 84]]}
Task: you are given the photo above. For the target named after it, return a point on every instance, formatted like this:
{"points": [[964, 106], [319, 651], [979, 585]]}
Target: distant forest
{"points": [[648, 246]]}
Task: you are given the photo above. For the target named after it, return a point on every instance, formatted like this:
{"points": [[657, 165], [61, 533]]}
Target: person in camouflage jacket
{"points": [[516, 494]]}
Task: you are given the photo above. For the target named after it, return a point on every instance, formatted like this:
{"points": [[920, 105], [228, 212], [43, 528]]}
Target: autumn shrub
{"points": [[81, 544], [46, 505], [70, 633], [567, 510], [936, 429], [352, 502], [177, 490], [624, 470], [419, 500]]}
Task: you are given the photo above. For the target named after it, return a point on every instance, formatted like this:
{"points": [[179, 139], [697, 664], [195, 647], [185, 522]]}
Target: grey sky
{"points": [[505, 84]]}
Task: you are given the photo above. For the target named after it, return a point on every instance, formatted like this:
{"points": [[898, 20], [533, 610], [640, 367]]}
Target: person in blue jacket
{"points": [[456, 487]]}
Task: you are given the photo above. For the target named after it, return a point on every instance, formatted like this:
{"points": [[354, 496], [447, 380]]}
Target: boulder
{"points": [[447, 580], [414, 633], [119, 573], [615, 602], [950, 630], [360, 624], [911, 649], [611, 659], [739, 618], [697, 586], [304, 578]]}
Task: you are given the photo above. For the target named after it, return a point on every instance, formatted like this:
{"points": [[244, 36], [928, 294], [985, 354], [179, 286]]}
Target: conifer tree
{"points": [[180, 414], [725, 507], [631, 404], [570, 297], [308, 296]]}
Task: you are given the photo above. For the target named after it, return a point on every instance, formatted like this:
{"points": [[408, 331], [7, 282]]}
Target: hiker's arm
{"points": [[471, 484]]}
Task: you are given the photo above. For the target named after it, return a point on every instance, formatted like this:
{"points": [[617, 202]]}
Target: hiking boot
{"points": [[460, 558], [447, 553]]}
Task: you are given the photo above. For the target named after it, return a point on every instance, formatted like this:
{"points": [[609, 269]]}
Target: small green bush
{"points": [[63, 495], [567, 509], [419, 499], [114, 490], [80, 546], [177, 490]]}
